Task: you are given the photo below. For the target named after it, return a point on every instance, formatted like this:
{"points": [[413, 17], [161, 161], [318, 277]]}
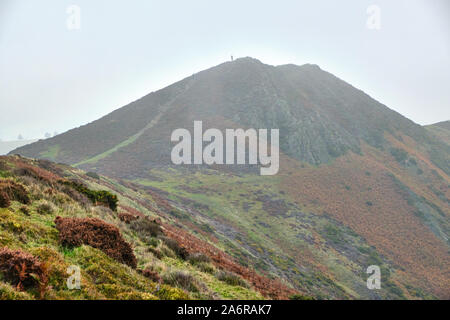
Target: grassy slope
{"points": [[102, 277], [441, 130], [261, 225], [320, 227], [401, 209]]}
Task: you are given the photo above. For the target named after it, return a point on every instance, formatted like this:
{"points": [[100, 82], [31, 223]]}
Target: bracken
{"points": [[14, 191], [74, 232], [20, 269], [4, 200]]}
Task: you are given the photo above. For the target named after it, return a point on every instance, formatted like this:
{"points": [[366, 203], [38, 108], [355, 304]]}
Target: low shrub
{"points": [[153, 242], [26, 170], [4, 200], [231, 279], [152, 275], [75, 195], [175, 247], [196, 258], [8, 292], [3, 166], [103, 213], [127, 217], [412, 161], [74, 232], [45, 208], [93, 175], [146, 227], [182, 280], [399, 154], [206, 267], [101, 197], [25, 210], [21, 269], [155, 252], [15, 191]]}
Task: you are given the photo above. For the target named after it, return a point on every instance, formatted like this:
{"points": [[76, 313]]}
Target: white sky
{"points": [[54, 79]]}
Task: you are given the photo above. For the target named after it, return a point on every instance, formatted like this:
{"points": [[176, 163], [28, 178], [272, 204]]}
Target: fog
{"points": [[59, 70]]}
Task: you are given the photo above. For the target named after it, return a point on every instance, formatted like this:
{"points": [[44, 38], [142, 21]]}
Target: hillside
{"points": [[359, 184], [44, 208], [320, 117], [441, 130]]}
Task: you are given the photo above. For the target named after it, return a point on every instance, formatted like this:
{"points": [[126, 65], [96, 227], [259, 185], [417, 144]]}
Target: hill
{"points": [[441, 130], [320, 117], [359, 184], [127, 243]]}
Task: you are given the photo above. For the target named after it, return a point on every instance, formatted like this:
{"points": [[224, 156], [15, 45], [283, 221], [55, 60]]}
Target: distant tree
{"points": [[55, 133], [47, 135], [20, 137]]}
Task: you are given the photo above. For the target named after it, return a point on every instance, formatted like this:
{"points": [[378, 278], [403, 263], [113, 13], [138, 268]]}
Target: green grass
{"points": [[124, 143], [252, 219], [263, 240], [51, 153], [102, 277]]}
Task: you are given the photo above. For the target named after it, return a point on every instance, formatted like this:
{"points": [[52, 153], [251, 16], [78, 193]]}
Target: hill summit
{"points": [[320, 117]]}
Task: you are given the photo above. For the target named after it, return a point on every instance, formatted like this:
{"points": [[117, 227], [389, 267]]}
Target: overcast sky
{"points": [[54, 77]]}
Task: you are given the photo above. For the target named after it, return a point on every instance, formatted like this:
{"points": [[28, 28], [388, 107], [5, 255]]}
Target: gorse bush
{"points": [[97, 197], [78, 197]]}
